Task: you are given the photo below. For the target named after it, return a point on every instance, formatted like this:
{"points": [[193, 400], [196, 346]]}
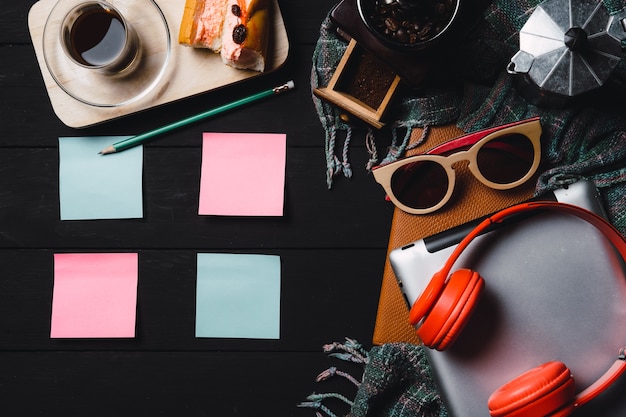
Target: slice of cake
{"points": [[238, 29], [201, 25], [246, 34]]}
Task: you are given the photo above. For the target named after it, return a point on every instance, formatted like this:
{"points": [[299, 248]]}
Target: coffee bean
{"points": [[402, 36], [425, 32], [391, 24], [419, 23]]}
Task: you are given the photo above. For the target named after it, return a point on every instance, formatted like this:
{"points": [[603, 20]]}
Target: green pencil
{"points": [[139, 139]]}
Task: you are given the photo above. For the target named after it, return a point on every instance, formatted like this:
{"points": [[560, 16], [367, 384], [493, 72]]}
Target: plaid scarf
{"points": [[396, 382], [580, 142]]}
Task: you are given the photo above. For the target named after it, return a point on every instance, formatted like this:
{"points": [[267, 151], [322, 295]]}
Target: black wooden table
{"points": [[332, 245]]}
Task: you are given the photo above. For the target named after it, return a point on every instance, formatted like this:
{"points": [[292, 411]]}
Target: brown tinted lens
{"points": [[420, 185], [506, 159]]}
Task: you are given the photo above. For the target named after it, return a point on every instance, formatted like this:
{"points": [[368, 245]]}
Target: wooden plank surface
{"points": [[332, 245]]}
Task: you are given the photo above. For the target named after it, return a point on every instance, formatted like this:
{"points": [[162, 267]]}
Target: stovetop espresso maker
{"points": [[567, 49]]}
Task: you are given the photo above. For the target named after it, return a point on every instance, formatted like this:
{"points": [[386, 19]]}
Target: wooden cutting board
{"points": [[188, 71]]}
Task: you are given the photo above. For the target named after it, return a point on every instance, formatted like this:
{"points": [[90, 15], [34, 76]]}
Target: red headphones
{"points": [[447, 302]]}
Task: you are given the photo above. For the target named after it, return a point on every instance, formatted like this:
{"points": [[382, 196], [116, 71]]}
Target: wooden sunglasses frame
{"points": [[530, 128]]}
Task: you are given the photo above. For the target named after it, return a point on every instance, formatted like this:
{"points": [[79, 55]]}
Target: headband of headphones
{"points": [[421, 307]]}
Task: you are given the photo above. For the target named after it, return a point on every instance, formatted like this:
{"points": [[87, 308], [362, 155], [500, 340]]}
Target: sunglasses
{"points": [[502, 158]]}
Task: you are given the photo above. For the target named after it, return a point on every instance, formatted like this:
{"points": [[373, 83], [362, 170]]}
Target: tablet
{"points": [[415, 263], [554, 290]]}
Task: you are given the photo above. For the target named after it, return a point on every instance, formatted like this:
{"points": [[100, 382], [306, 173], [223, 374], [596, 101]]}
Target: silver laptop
{"points": [[554, 290]]}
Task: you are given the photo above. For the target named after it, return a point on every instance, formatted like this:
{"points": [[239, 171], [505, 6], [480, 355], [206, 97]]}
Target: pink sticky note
{"points": [[243, 174], [94, 295]]}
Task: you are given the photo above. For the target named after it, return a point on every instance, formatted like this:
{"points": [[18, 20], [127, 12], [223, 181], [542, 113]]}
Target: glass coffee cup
{"points": [[95, 35]]}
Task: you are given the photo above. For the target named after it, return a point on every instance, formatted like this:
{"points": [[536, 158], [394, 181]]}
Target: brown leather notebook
{"points": [[470, 201]]}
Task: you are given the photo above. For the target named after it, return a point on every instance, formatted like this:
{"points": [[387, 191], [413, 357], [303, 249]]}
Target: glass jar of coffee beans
{"points": [[408, 23]]}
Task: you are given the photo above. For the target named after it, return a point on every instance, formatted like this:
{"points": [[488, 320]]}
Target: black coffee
{"points": [[97, 37]]}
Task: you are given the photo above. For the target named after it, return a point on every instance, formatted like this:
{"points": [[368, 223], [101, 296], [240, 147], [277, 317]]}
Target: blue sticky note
{"points": [[93, 186], [238, 296]]}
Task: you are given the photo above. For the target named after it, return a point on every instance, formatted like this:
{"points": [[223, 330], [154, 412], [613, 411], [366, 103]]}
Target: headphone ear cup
{"points": [[538, 392], [452, 310]]}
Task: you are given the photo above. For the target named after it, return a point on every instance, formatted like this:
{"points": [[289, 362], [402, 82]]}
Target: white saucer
{"points": [[100, 90]]}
